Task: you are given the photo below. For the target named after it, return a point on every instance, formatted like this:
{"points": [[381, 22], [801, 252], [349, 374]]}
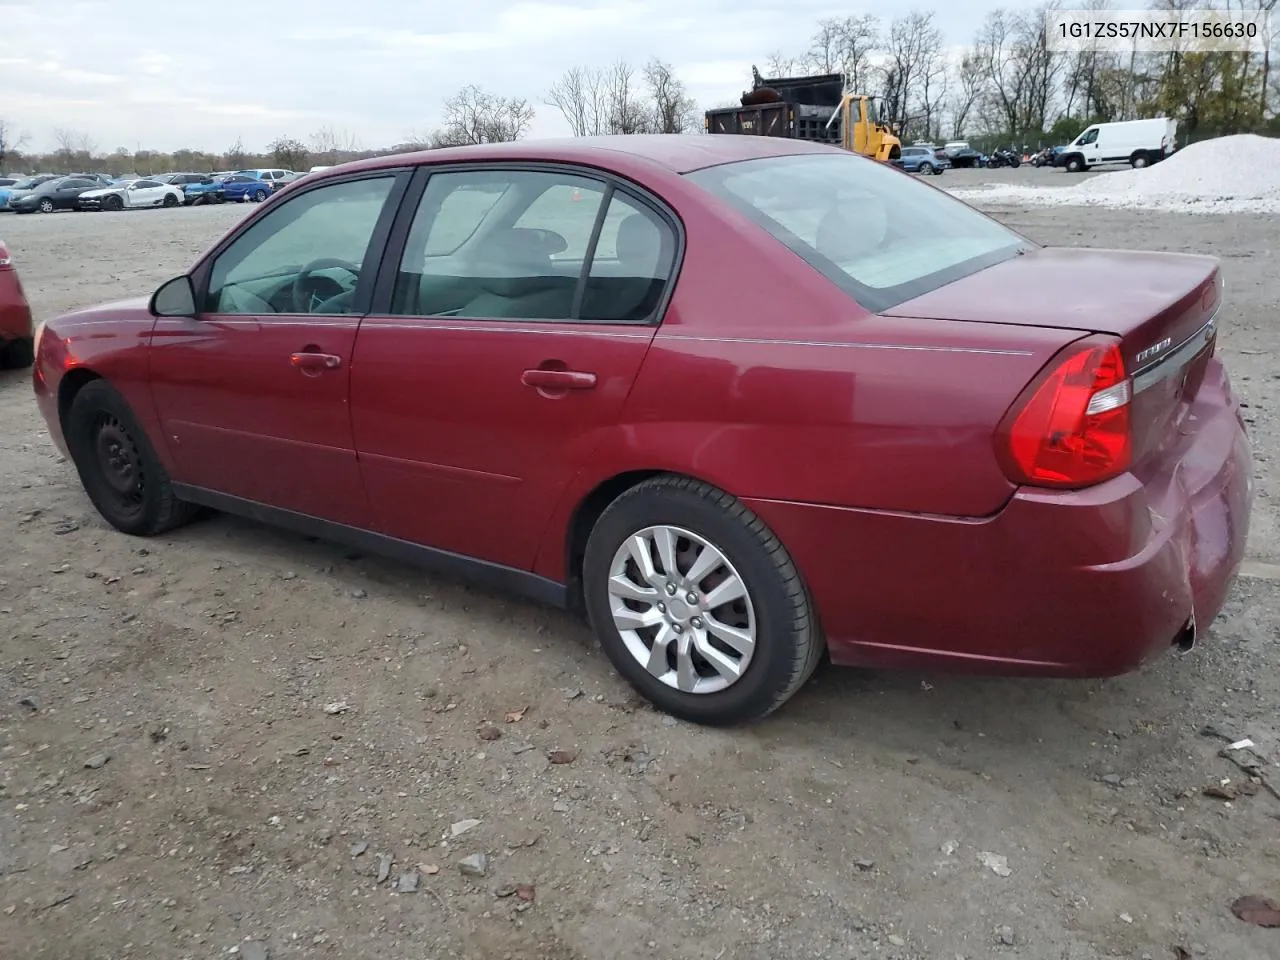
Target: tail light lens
{"points": [[1070, 427]]}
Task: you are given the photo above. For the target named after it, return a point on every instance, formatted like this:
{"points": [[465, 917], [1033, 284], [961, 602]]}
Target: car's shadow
{"points": [[1017, 726]]}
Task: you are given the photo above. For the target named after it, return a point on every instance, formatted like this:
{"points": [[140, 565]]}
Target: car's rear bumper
{"points": [[1083, 583]]}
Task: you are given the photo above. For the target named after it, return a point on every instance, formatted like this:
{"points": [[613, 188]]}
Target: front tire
{"points": [[927, 168], [46, 205], [697, 604], [118, 467], [169, 200], [17, 354], [1074, 165], [113, 203]]}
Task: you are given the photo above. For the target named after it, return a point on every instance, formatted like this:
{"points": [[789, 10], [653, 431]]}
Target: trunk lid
{"points": [[1161, 306]]}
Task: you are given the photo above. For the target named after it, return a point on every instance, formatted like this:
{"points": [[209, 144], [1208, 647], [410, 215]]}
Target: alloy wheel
{"points": [[682, 610]]}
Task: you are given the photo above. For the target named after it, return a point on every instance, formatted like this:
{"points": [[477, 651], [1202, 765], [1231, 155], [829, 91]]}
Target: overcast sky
{"points": [[200, 75]]}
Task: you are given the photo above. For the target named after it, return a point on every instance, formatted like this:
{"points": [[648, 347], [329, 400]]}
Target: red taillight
{"points": [[1070, 427]]}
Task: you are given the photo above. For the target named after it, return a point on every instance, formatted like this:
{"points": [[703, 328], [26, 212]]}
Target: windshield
{"points": [[877, 233], [30, 183]]}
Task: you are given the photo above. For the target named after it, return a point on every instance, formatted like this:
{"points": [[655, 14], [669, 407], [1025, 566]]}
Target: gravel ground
{"points": [[233, 734]]}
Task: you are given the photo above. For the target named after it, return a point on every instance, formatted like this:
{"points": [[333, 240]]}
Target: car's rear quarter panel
{"points": [[769, 382]]}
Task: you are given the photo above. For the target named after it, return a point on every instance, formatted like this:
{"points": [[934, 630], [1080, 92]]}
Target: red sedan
{"points": [[740, 400], [16, 332]]}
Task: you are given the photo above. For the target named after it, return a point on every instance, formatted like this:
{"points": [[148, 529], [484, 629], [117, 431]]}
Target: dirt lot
{"points": [[172, 784]]}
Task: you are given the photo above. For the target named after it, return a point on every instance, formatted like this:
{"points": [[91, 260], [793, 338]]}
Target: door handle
{"points": [[558, 379], [315, 362]]}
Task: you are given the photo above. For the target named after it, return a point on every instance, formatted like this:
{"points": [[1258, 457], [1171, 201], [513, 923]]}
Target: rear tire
{"points": [[1138, 161], [118, 467], [774, 608], [259, 195], [17, 354]]}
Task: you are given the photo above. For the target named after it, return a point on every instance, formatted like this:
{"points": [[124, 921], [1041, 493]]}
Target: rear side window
{"points": [[882, 237]]}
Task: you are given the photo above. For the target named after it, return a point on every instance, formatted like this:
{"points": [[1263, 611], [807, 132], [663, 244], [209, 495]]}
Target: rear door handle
{"points": [[315, 362], [559, 379]]}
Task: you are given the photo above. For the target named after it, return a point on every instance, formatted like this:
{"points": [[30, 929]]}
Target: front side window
{"points": [[882, 237], [1088, 137], [305, 256], [146, 184]]}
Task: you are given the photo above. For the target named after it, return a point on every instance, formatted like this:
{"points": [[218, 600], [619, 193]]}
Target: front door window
{"points": [[306, 256]]}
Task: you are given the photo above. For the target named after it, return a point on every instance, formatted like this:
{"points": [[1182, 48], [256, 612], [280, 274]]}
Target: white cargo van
{"points": [[1135, 142]]}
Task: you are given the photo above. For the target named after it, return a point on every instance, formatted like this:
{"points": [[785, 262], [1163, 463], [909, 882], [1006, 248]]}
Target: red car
{"points": [[740, 400], [16, 331]]}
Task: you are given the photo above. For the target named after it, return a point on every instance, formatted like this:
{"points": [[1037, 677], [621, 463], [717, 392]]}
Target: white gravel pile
{"points": [[1237, 174]]}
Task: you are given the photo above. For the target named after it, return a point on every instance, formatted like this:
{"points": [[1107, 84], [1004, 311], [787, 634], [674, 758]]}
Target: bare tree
{"points": [[473, 115], [288, 152], [780, 65], [235, 155], [10, 141], [628, 113], [914, 53], [674, 111], [331, 145], [859, 39], [826, 50], [597, 102], [74, 148], [971, 79], [579, 95]]}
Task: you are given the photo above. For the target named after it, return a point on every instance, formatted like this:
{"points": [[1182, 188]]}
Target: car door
{"points": [[144, 193], [64, 198], [482, 384], [1088, 144], [253, 391]]}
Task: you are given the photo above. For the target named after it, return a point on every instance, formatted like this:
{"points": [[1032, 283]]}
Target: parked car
{"points": [[16, 332], [962, 155], [728, 472], [241, 186], [924, 160], [60, 193], [1138, 143], [21, 187], [206, 190], [132, 194], [5, 184], [273, 176]]}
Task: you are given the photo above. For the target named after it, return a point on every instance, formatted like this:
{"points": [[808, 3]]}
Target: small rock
{"points": [[97, 761], [30, 702], [408, 882], [896, 940], [358, 848], [253, 950], [526, 892], [1004, 935], [519, 748], [1126, 918], [476, 865], [562, 756], [489, 733], [996, 863], [288, 575], [359, 594], [1112, 779], [560, 807], [462, 826], [384, 867], [864, 864], [336, 707]]}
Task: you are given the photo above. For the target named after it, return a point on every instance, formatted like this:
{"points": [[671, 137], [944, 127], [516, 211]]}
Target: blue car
{"points": [[240, 186], [925, 160]]}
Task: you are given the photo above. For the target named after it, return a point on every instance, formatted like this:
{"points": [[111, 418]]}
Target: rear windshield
{"points": [[879, 234]]}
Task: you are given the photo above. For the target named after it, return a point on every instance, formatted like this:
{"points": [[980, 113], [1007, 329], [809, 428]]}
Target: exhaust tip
{"points": [[1185, 640]]}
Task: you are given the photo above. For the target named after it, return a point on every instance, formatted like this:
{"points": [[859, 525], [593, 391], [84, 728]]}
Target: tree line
{"points": [[1005, 86]]}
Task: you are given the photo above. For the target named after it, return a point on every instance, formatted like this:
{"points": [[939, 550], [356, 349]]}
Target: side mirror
{"points": [[174, 298]]}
